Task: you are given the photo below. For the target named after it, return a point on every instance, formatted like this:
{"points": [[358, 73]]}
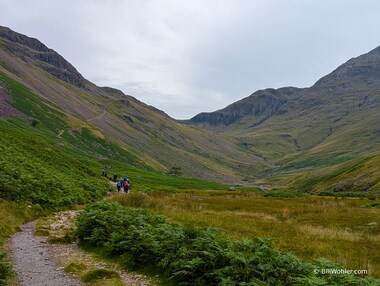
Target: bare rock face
{"points": [[261, 104], [33, 51]]}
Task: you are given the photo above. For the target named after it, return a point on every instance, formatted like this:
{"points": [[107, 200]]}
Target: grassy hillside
{"points": [[38, 176], [149, 136]]}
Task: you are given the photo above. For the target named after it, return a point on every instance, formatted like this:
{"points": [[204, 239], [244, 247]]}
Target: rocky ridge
{"points": [[33, 51]]}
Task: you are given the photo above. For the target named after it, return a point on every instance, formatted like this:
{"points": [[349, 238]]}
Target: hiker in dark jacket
{"points": [[115, 177], [126, 187], [120, 185]]}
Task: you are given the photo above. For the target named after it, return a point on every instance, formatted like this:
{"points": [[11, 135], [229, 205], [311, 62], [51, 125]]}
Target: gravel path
{"points": [[33, 261]]}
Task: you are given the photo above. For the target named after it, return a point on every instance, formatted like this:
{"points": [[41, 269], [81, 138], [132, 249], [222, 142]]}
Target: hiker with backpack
{"points": [[119, 185], [126, 186]]}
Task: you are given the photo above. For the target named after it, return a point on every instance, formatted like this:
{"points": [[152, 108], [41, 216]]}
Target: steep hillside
{"points": [[146, 135]]}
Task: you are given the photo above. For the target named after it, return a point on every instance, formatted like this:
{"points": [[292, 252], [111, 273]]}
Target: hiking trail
{"points": [[40, 263], [32, 260]]}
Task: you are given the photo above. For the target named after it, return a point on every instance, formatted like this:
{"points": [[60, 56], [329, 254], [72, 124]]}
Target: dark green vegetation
{"points": [[36, 172], [5, 269], [197, 256]]}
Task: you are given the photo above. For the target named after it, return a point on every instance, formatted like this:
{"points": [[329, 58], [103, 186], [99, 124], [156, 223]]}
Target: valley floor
{"points": [[345, 231]]}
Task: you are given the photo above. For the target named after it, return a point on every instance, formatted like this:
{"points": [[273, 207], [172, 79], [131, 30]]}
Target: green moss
{"points": [[75, 267], [100, 273]]}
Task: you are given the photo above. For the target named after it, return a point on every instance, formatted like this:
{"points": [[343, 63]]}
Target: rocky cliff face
{"points": [[260, 105], [364, 69], [33, 51]]}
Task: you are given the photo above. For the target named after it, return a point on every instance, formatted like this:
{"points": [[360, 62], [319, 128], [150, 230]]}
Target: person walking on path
{"points": [[126, 187], [118, 185]]}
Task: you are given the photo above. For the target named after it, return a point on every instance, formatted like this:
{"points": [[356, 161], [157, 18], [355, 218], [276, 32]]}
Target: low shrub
{"points": [[345, 194], [284, 194], [5, 269], [195, 256], [372, 205], [74, 267]]}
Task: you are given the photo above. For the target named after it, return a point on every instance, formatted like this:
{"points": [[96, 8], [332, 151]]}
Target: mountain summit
{"points": [[36, 53]]}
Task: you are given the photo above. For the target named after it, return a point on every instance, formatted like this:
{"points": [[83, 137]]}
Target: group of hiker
{"points": [[122, 184]]}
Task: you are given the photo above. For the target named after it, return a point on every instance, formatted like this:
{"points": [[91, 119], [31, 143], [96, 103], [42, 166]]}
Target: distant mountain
{"points": [[261, 105], [301, 130]]}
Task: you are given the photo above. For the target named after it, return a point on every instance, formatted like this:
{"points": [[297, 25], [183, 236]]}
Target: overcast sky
{"points": [[189, 56]]}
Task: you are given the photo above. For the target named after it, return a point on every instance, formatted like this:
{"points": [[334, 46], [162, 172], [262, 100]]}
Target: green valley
{"points": [[263, 192]]}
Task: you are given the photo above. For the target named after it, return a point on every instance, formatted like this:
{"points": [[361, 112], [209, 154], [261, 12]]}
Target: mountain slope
{"points": [[146, 135], [332, 122]]}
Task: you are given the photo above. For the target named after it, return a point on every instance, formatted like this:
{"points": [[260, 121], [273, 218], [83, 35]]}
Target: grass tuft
{"points": [[75, 267], [97, 274]]}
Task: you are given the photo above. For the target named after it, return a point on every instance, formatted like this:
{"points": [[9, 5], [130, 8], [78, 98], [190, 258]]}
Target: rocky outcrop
{"points": [[261, 104], [33, 51], [364, 69]]}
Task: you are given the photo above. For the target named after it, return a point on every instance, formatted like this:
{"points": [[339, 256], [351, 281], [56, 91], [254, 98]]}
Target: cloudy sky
{"points": [[190, 56]]}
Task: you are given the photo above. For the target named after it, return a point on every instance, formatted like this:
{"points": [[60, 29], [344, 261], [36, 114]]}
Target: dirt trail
{"points": [[98, 116], [33, 261], [39, 263]]}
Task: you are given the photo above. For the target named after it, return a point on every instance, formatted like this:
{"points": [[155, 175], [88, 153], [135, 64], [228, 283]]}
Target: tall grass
{"points": [[309, 226], [197, 256]]}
